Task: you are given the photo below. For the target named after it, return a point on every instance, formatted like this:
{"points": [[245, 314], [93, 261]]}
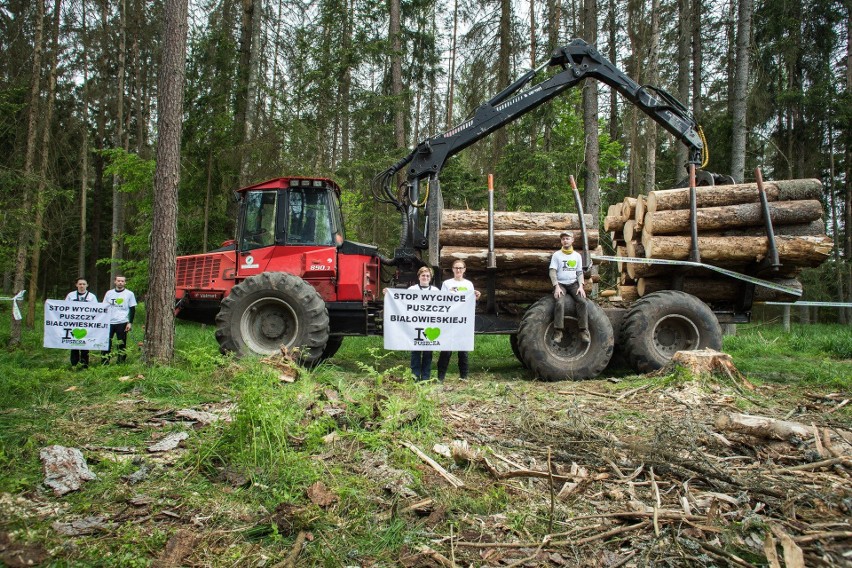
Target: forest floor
{"points": [[252, 463]]}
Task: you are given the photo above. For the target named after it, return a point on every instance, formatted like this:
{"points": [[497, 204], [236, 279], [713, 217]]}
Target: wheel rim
{"points": [[267, 324], [571, 347], [675, 333]]}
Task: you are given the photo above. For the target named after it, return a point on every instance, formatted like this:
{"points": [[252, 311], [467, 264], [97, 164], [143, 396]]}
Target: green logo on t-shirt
{"points": [[119, 301], [572, 263]]}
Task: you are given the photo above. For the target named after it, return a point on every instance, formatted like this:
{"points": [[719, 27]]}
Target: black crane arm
{"points": [[578, 60]]}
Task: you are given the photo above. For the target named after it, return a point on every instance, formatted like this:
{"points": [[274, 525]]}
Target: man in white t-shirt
{"points": [[458, 283], [566, 275], [81, 294], [122, 309]]}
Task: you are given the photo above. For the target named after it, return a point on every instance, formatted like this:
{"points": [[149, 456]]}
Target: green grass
{"points": [[276, 439], [818, 354]]}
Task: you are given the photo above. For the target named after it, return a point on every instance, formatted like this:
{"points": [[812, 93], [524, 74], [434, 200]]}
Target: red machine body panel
{"points": [[294, 229]]}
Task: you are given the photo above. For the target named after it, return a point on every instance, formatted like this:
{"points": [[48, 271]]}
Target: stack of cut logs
{"points": [[731, 234], [523, 242]]}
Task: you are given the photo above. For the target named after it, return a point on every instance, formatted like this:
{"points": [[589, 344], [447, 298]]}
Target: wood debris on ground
{"points": [[657, 472]]}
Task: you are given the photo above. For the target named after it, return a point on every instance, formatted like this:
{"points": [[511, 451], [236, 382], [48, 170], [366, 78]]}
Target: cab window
{"points": [[310, 221], [260, 213]]}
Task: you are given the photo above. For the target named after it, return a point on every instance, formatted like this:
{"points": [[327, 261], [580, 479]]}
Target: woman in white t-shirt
{"points": [[421, 361]]}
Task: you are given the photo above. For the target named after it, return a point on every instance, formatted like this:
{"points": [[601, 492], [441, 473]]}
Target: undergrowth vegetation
{"points": [[322, 455]]}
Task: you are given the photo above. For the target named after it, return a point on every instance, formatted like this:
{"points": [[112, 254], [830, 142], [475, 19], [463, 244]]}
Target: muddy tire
{"points": [[513, 342], [570, 359], [663, 323], [274, 309]]}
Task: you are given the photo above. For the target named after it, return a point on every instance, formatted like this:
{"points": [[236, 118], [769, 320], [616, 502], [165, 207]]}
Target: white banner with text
{"points": [[76, 325], [428, 320]]}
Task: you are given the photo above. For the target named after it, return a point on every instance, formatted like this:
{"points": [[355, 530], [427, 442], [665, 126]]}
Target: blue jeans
{"points": [[421, 365]]}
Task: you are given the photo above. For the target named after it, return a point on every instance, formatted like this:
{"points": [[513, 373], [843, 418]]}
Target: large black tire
{"points": [[331, 347], [274, 309], [663, 323], [570, 358], [513, 342]]}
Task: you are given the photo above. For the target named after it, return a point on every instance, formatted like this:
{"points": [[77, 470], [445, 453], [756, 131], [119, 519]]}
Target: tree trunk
{"points": [[814, 228], [653, 77], [345, 87], [139, 99], [41, 197], [740, 91], [507, 259], [697, 60], [591, 183], [720, 289], [614, 130], [159, 328], [451, 78], [613, 220], [847, 182], [714, 196], [632, 123], [683, 60], [730, 216], [84, 150], [98, 191], [26, 198], [798, 251], [243, 78], [395, 37], [628, 208], [117, 253], [504, 62], [510, 239], [515, 220]]}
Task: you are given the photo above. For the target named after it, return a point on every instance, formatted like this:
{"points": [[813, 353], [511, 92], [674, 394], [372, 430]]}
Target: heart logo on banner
{"points": [[79, 333], [432, 333]]}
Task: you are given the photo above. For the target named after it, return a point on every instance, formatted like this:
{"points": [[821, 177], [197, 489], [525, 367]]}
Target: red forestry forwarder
{"points": [[291, 278]]}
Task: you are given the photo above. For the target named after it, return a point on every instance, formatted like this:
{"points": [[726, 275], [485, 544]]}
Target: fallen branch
{"points": [[438, 557], [805, 538], [606, 534], [762, 426], [530, 557], [451, 479], [538, 474], [733, 558], [599, 536], [844, 460], [295, 551]]}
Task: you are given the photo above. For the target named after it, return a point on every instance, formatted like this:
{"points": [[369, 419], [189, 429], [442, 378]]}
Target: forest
{"points": [[343, 89]]}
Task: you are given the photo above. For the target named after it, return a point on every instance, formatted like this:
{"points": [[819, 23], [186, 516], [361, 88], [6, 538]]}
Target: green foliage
{"points": [[538, 179], [136, 182]]}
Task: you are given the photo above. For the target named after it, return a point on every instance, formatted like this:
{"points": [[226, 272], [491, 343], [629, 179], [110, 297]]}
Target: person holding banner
{"points": [[81, 294], [122, 309], [421, 361], [566, 275], [458, 283]]}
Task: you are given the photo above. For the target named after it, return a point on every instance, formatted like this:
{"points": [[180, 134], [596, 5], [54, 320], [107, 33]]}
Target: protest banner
{"points": [[76, 325], [423, 320]]}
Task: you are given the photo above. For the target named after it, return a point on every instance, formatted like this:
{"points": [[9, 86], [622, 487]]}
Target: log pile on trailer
{"points": [[731, 234], [524, 243]]}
